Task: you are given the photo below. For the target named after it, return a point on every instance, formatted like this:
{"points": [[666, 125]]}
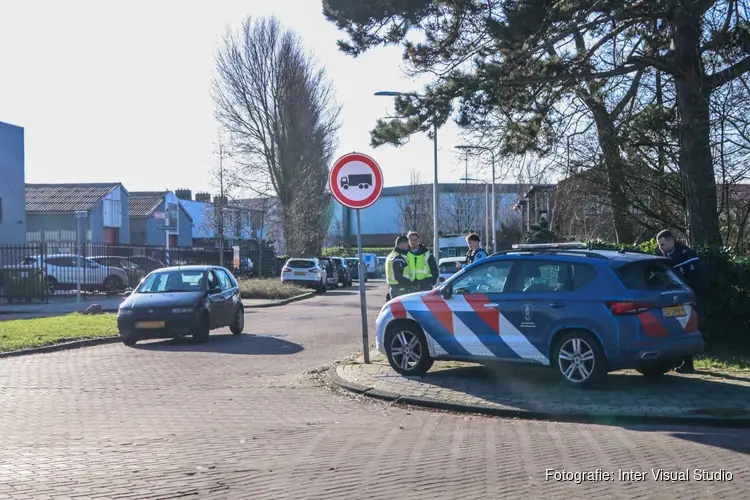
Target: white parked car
{"points": [[448, 267], [63, 271], [305, 272]]}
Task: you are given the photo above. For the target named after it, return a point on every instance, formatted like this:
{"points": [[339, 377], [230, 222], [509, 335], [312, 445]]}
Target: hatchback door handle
{"points": [[492, 306], [557, 305]]}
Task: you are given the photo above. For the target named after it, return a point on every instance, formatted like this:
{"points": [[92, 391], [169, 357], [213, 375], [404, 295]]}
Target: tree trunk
{"points": [[616, 175], [696, 166]]}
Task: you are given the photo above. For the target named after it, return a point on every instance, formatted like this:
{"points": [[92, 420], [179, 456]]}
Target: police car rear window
{"points": [[649, 275]]}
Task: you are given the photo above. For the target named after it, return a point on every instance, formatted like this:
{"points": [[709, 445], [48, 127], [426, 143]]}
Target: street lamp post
{"points": [[486, 204], [494, 197], [435, 186]]}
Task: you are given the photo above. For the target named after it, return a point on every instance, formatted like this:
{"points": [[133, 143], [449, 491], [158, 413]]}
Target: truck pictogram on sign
{"points": [[362, 181]]}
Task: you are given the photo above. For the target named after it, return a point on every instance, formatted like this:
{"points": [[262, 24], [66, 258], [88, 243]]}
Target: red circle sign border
{"points": [[378, 184]]}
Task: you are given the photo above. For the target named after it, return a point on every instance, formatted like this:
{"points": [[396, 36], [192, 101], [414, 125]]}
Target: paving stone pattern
{"points": [[239, 418], [526, 388]]}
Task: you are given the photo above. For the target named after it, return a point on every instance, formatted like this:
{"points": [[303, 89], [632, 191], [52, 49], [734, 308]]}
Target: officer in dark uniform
{"points": [[397, 272], [687, 265], [475, 251]]}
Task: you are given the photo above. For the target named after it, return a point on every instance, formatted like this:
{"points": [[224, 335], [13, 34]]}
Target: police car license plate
{"points": [[674, 312], [150, 324]]}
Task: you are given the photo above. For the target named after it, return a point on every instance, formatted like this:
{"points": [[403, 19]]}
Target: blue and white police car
{"points": [[582, 312]]}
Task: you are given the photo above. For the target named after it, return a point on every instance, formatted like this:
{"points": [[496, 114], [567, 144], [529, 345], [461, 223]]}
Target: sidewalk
{"points": [[66, 305], [534, 392]]}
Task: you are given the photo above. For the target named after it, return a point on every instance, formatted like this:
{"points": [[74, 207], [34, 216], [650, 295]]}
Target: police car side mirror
{"points": [[445, 291]]}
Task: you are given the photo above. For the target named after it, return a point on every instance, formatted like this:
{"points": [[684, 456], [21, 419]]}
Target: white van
{"points": [[373, 266]]}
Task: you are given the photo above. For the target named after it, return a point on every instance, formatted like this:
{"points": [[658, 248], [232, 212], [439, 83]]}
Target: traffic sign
{"points": [[356, 180]]}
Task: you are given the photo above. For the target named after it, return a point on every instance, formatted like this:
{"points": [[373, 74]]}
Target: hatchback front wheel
{"points": [[579, 359]]}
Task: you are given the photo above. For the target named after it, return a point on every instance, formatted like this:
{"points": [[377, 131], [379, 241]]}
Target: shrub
{"points": [[352, 252], [271, 288]]}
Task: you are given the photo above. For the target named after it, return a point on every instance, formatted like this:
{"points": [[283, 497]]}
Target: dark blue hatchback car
{"points": [[584, 313]]}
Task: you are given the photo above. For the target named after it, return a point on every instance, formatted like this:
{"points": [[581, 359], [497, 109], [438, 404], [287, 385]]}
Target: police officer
{"points": [[422, 264], [687, 265], [475, 253], [397, 272]]}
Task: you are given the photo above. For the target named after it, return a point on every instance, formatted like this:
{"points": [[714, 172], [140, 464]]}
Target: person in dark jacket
{"points": [[397, 273], [687, 265], [475, 251], [422, 264]]}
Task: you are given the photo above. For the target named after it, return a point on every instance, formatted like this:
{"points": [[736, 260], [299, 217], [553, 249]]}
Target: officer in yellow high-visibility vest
{"points": [[422, 264], [397, 273]]}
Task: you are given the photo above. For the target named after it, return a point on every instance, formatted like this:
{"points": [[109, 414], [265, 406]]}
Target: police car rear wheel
{"points": [[407, 351], [579, 360]]}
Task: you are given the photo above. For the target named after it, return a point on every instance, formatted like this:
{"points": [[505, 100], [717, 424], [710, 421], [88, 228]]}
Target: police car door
{"points": [[535, 306], [475, 301]]}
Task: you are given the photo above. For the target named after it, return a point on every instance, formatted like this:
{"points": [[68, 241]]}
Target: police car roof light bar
{"points": [[549, 246], [563, 251]]}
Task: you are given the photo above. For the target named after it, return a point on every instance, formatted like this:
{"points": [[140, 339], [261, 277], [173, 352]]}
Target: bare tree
{"points": [[415, 208], [459, 210], [279, 110]]}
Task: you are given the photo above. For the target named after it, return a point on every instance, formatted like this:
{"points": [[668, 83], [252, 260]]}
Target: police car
{"points": [[583, 313]]}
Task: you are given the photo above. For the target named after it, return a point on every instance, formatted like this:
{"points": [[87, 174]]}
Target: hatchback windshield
{"points": [[173, 281]]}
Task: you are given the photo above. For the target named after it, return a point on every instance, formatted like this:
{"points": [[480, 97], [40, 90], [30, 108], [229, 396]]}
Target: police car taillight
{"points": [[629, 307]]}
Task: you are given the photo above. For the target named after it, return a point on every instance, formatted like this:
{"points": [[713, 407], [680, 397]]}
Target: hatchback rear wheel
{"points": [[579, 359]]}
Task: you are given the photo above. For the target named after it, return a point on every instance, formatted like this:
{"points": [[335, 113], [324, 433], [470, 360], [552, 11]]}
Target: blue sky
{"points": [[120, 91]]}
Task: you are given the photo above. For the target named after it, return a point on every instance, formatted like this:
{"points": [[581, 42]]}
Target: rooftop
{"points": [[142, 203], [65, 198]]}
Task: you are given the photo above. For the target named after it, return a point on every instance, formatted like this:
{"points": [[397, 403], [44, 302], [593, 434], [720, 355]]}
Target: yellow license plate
{"points": [[299, 274], [673, 312], [150, 324]]}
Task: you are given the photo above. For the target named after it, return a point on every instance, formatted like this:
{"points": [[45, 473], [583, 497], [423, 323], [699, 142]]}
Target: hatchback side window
{"points": [[489, 278], [213, 281], [226, 282], [541, 276]]}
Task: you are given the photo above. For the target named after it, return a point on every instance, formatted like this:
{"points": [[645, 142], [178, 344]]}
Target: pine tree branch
{"points": [[629, 95], [727, 75]]}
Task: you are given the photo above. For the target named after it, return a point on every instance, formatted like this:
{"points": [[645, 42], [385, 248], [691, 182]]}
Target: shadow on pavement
{"points": [[226, 344], [538, 389]]}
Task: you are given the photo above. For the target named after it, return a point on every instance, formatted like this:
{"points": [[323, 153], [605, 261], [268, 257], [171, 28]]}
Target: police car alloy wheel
{"points": [[406, 348], [579, 359]]}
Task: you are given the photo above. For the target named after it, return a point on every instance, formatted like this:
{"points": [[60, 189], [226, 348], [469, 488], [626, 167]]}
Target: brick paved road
{"points": [[236, 418]]}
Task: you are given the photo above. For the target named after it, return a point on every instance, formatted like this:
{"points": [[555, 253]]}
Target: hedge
{"points": [[725, 315], [352, 252]]}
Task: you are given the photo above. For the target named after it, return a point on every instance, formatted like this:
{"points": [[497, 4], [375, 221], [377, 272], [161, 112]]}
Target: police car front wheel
{"points": [[407, 351], [579, 359]]}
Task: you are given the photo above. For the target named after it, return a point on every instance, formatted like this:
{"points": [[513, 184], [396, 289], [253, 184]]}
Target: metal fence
{"points": [[37, 272]]}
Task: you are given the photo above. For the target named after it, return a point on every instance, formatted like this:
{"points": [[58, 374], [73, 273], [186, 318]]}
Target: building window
{"points": [[1, 210]]}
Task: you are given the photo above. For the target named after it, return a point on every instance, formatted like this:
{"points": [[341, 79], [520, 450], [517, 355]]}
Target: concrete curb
{"points": [[283, 302], [74, 344], [606, 419]]}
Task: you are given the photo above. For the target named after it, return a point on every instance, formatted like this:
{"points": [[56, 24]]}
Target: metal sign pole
{"points": [[362, 295], [166, 248], [78, 262]]}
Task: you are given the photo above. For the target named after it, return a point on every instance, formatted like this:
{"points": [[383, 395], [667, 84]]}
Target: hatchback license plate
{"points": [[299, 274], [673, 312], [150, 324]]}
